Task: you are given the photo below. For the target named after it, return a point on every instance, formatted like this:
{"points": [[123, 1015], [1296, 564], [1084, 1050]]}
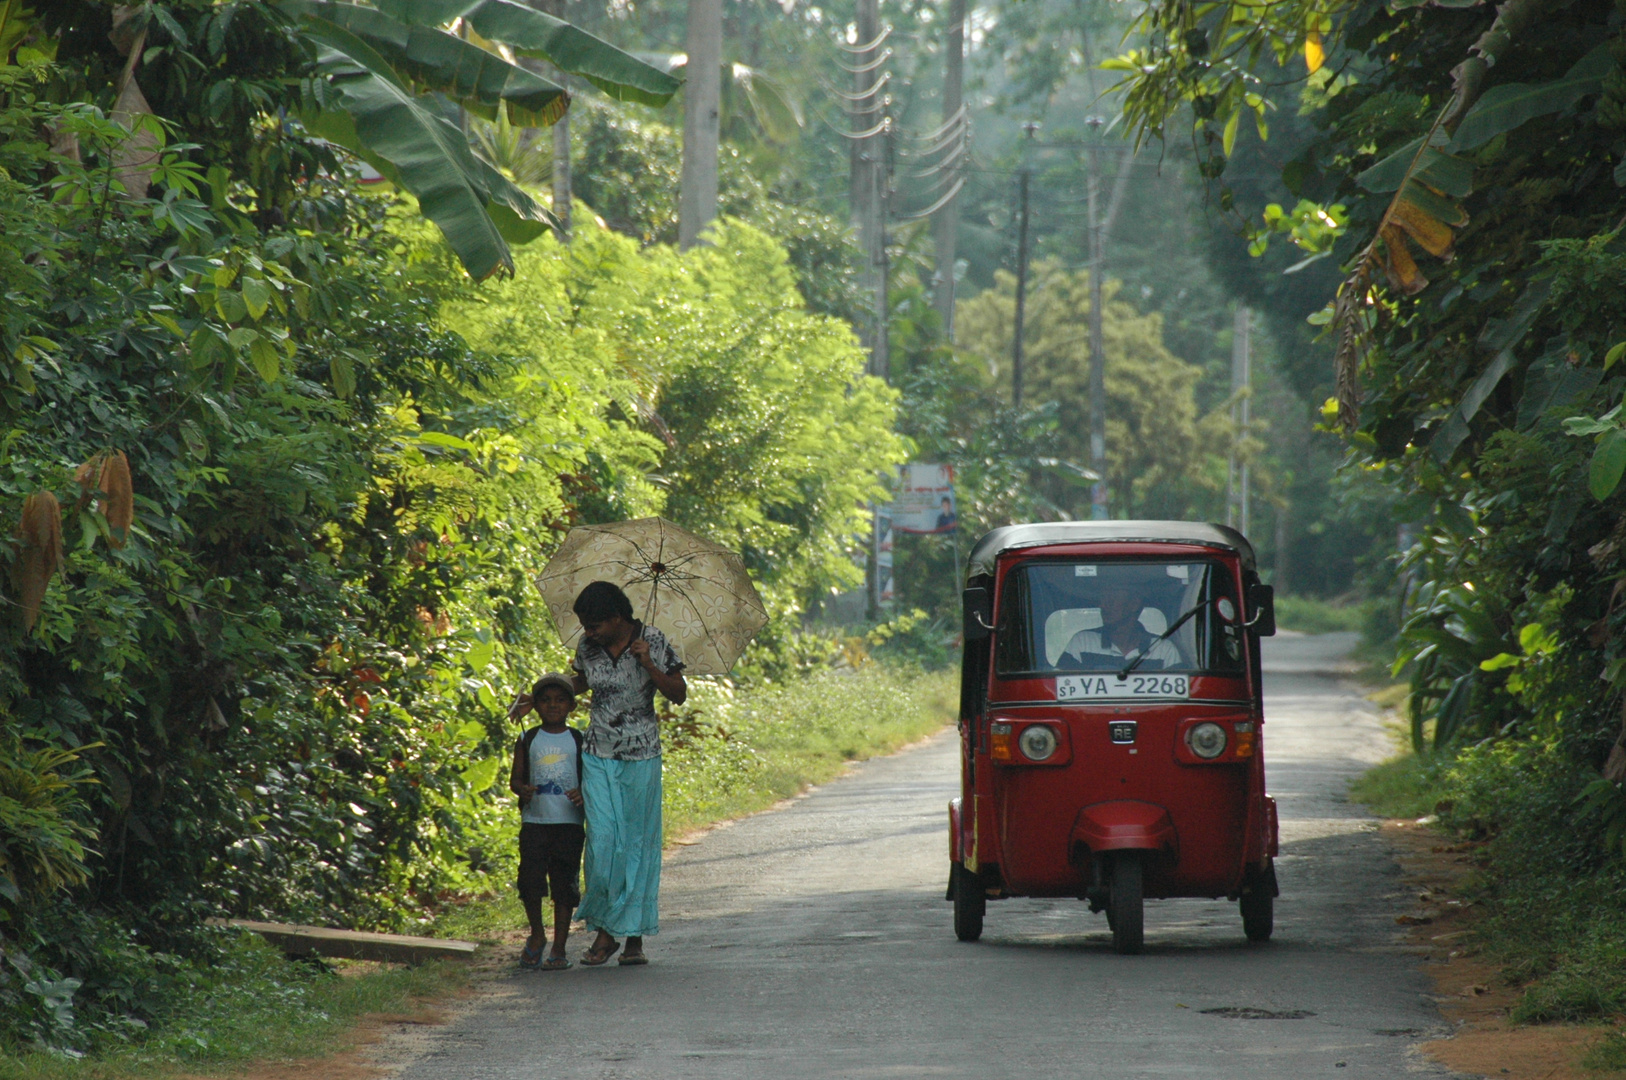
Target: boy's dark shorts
{"points": [[550, 861]]}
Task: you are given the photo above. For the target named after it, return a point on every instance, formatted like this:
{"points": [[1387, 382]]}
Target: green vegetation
{"points": [[247, 1003], [307, 471], [1608, 1054]]}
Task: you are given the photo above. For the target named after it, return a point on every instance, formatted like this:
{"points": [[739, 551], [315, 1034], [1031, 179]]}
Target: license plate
{"points": [[1109, 687]]}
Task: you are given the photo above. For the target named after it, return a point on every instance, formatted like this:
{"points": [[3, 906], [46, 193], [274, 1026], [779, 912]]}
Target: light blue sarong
{"points": [[623, 855]]}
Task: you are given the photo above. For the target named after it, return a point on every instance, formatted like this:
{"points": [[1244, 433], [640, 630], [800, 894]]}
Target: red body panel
{"points": [[1033, 828], [1126, 826]]}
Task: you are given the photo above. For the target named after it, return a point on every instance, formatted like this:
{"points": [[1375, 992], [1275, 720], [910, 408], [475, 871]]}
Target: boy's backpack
{"points": [[524, 750]]}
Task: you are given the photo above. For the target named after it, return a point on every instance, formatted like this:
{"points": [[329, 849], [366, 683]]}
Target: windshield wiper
{"points": [[1129, 669]]}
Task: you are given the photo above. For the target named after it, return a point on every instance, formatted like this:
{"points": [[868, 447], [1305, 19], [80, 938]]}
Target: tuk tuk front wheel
{"points": [[1125, 907], [970, 902]]}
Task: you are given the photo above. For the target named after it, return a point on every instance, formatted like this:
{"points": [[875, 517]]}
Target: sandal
{"points": [[554, 963], [530, 957], [636, 959], [596, 957]]}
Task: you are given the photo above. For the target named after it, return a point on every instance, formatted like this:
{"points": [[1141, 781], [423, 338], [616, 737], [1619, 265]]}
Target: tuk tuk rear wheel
{"points": [[1126, 912], [1258, 916], [970, 903], [1259, 906]]}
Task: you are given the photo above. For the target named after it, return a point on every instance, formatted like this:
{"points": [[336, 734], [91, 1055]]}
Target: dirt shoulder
{"points": [[1473, 994]]}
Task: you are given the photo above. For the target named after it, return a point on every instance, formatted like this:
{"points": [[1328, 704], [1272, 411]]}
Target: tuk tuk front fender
{"points": [[1125, 825], [956, 850]]}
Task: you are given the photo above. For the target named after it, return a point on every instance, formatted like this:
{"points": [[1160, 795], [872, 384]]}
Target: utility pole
{"points": [[866, 27], [1021, 265], [1098, 352], [869, 166], [702, 107], [946, 222], [1236, 510], [881, 354], [869, 180]]}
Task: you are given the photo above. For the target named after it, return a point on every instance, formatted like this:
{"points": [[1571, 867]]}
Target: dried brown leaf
{"points": [[1432, 235], [1399, 265], [40, 553], [118, 497]]}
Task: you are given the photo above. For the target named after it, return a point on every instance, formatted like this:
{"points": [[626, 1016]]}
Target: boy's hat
{"points": [[554, 678]]}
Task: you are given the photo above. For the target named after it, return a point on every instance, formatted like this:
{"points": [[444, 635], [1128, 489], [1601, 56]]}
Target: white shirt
{"points": [[553, 772], [1092, 643]]}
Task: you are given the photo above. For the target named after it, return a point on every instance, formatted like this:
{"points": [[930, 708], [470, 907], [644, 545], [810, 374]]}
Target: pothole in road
{"points": [[1238, 1012]]}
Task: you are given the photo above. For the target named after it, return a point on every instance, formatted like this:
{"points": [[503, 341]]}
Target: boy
{"points": [[546, 775]]}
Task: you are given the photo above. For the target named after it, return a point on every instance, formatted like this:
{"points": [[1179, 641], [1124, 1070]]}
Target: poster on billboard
{"points": [[924, 502]]}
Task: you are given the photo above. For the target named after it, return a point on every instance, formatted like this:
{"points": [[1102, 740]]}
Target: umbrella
{"points": [[695, 592]]}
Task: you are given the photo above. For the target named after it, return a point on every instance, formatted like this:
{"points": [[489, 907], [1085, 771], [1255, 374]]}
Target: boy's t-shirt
{"points": [[553, 772]]}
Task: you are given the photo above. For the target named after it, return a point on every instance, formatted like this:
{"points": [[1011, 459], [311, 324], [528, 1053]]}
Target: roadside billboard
{"points": [[924, 502]]}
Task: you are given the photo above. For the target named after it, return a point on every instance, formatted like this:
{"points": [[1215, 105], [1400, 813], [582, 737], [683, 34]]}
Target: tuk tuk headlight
{"points": [[1038, 743], [1206, 740]]}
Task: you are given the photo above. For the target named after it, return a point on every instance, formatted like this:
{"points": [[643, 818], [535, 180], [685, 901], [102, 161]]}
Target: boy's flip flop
{"points": [[554, 963], [530, 958], [596, 957], [635, 960]]}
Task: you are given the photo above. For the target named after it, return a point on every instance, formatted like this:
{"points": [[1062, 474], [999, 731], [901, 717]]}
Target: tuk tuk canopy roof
{"points": [[1084, 532]]}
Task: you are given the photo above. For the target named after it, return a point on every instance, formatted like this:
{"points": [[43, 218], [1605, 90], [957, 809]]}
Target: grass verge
{"points": [[1402, 787], [1552, 914], [247, 1004]]}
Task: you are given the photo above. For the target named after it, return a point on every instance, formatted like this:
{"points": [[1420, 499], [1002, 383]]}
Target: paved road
{"points": [[814, 942]]}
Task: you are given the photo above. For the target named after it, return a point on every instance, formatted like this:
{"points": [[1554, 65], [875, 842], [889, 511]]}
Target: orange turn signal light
{"points": [[999, 741], [1244, 738]]}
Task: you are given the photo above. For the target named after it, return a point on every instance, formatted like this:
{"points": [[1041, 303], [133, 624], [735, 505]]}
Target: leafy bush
{"points": [[230, 998]]}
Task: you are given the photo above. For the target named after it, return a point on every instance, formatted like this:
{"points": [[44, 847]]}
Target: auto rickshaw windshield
{"points": [[1098, 616]]}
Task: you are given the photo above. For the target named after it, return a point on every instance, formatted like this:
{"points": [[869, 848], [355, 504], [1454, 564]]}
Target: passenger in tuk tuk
{"points": [[1122, 636]]}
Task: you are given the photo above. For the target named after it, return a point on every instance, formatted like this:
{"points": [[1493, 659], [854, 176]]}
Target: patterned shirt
{"points": [[622, 721]]}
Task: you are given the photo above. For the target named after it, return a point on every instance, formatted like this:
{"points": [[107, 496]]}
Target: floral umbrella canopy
{"points": [[692, 590]]}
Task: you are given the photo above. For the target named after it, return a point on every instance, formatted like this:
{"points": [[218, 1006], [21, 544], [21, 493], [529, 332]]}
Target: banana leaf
{"points": [[534, 33], [371, 112], [1511, 105], [435, 60]]}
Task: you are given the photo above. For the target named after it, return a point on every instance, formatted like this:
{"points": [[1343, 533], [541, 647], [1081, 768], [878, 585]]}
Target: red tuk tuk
{"points": [[1111, 720]]}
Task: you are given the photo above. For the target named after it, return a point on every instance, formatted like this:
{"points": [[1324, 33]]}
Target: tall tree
{"points": [[702, 110]]}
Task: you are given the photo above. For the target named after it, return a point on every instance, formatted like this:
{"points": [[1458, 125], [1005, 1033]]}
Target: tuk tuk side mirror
{"points": [[1262, 609], [978, 607]]}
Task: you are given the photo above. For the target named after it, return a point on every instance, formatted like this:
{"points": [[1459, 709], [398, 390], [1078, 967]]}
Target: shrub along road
{"points": [[814, 942]]}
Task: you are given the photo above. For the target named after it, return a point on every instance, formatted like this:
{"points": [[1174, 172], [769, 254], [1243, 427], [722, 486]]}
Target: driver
{"points": [[1121, 636]]}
